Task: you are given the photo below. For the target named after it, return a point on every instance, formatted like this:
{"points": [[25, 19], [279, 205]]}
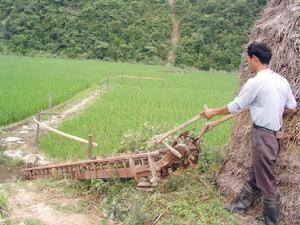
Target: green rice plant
{"points": [[128, 107], [25, 82]]}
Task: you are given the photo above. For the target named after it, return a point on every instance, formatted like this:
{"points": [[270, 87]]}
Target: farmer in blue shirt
{"points": [[268, 96]]}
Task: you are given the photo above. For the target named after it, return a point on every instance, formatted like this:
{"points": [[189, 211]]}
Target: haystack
{"points": [[280, 27]]}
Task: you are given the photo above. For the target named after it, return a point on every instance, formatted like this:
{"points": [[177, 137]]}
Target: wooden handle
{"points": [[159, 138], [210, 125]]}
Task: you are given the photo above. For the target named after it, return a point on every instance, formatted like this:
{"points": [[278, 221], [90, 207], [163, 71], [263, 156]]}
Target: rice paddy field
{"points": [[130, 112], [26, 82], [130, 104], [128, 107]]}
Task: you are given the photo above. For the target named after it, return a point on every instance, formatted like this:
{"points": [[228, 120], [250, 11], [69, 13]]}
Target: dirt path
{"points": [[19, 140], [175, 34], [49, 206]]}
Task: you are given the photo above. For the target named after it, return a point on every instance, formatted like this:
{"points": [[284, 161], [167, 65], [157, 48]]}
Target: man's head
{"points": [[259, 56]]}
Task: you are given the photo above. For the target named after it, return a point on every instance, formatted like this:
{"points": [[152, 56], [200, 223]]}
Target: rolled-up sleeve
{"points": [[244, 98], [290, 100], [233, 107]]}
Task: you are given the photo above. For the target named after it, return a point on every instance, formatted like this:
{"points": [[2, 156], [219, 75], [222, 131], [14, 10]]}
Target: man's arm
{"points": [[209, 113], [242, 101]]}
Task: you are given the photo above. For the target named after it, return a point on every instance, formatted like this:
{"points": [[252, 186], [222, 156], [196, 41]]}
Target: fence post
{"points": [[37, 139], [90, 147], [50, 109], [107, 83]]}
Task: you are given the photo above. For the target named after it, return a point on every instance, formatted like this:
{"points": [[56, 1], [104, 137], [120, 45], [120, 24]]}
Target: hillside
{"points": [[212, 32]]}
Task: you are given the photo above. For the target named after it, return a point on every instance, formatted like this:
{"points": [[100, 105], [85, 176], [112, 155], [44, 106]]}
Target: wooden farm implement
{"points": [[153, 166]]}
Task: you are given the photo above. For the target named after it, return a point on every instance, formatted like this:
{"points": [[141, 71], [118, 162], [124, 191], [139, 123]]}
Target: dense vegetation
{"points": [[213, 32], [103, 29]]}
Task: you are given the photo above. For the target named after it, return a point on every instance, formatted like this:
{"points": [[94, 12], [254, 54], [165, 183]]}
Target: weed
{"points": [[3, 207], [137, 140], [137, 215], [32, 221]]}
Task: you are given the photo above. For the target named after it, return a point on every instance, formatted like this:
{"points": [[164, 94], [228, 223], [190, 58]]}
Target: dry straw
{"points": [[280, 27]]}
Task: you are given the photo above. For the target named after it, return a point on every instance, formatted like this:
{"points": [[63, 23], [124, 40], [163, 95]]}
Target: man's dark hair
{"points": [[261, 50]]}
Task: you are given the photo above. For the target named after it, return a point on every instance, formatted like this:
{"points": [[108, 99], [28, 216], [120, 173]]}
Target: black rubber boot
{"points": [[271, 209], [243, 201]]}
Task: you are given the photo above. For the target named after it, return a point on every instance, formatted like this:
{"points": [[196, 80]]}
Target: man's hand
{"points": [[209, 113]]}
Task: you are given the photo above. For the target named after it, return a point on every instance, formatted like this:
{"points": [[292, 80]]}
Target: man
{"points": [[269, 97]]}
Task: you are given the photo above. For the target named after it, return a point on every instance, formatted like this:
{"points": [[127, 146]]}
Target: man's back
{"points": [[272, 93]]}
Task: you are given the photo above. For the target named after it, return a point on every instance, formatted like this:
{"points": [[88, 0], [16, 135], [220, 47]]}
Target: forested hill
{"points": [[212, 32]]}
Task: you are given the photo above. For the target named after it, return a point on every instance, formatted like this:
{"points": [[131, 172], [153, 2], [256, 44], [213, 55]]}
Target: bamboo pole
{"points": [[79, 139]]}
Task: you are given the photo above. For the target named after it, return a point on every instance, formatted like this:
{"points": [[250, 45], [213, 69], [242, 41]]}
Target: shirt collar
{"points": [[265, 71]]}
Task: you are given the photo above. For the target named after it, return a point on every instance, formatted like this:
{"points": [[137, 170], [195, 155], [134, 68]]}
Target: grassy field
{"points": [[25, 82], [128, 107], [131, 112]]}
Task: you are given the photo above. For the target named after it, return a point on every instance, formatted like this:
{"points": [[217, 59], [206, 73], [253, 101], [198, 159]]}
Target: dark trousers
{"points": [[265, 149]]}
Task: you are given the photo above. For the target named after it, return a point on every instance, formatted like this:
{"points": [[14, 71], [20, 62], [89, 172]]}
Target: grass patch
{"points": [[32, 221], [28, 221], [3, 207], [187, 197]]}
